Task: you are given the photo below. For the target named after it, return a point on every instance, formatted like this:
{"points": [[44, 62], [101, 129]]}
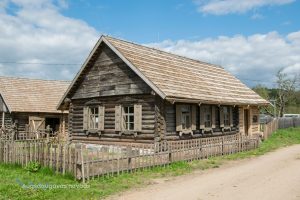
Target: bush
{"points": [[33, 166]]}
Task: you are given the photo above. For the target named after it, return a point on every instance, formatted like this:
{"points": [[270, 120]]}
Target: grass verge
{"points": [[12, 177]]}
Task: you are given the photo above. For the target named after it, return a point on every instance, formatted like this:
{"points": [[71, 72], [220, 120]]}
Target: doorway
{"points": [[53, 123], [246, 121]]}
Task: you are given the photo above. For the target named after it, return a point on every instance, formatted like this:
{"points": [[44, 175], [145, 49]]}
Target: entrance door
{"points": [[246, 121]]}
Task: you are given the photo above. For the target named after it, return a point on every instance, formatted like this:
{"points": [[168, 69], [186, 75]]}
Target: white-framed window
{"points": [[186, 117], [226, 116], [93, 118], [128, 118]]}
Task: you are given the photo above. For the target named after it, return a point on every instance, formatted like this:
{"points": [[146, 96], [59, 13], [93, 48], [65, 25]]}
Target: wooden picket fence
{"points": [[269, 128], [97, 160], [59, 157], [278, 123], [87, 161]]}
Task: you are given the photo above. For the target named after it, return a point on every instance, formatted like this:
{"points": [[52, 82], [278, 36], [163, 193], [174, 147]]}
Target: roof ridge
{"points": [[163, 51], [26, 78]]}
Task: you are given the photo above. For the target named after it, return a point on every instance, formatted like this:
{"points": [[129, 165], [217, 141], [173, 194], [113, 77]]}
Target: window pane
{"points": [[131, 126], [131, 118], [186, 117], [131, 109], [128, 117], [125, 109]]}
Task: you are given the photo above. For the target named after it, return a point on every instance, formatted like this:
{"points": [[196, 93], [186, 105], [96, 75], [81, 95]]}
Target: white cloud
{"points": [[222, 7], [256, 57], [36, 31]]}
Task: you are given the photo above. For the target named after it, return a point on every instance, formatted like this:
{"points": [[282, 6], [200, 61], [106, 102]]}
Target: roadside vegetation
{"points": [[18, 183]]}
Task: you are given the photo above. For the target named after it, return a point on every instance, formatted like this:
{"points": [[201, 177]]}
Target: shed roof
{"points": [[178, 78], [32, 95]]}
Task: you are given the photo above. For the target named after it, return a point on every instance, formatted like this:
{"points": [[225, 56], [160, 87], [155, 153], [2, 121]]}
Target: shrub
{"points": [[33, 166]]}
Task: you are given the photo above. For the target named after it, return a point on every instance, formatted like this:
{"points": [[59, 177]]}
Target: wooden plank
{"points": [[194, 107], [85, 118], [118, 118], [178, 118], [137, 117], [101, 113]]}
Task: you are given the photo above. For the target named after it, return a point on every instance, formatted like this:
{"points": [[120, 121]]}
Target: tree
{"points": [[286, 87], [262, 91], [265, 93]]}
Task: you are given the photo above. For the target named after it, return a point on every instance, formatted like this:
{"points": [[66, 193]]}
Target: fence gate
{"points": [[36, 124]]}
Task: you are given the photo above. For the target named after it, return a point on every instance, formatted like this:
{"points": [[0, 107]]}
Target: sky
{"points": [[252, 39]]}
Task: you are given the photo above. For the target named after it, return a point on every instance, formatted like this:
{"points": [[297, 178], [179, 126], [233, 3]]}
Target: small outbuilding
{"points": [[127, 92], [29, 106]]}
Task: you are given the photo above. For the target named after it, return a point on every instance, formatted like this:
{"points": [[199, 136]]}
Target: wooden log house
{"points": [[30, 105], [125, 92]]}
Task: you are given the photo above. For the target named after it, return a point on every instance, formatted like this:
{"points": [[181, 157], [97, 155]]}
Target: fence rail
{"points": [[105, 159]]}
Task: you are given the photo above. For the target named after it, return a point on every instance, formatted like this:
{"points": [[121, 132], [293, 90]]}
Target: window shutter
{"points": [[231, 116], [178, 118], [221, 117], [202, 114], [193, 117], [213, 116], [85, 118], [118, 118], [101, 114], [137, 117]]}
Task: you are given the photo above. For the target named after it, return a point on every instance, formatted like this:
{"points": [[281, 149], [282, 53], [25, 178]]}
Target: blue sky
{"points": [[252, 39], [147, 21]]}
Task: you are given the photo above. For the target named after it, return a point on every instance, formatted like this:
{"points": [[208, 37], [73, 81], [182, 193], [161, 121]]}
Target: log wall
{"points": [[109, 76], [170, 118], [149, 118]]}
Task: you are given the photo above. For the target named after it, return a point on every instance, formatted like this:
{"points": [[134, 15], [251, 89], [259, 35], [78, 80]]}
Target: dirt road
{"points": [[273, 176]]}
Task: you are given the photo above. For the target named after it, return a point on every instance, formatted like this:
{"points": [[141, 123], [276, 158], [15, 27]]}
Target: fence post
{"points": [[222, 145], [129, 153], [82, 164], [170, 152]]}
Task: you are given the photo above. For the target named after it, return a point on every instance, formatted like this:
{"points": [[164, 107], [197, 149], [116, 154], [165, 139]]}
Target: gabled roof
{"points": [[178, 78], [32, 95]]}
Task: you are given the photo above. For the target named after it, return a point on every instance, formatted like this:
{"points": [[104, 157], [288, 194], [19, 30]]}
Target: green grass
{"points": [[12, 176], [279, 139]]}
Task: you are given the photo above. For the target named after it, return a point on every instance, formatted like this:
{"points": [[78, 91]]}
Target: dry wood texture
{"points": [[86, 160]]}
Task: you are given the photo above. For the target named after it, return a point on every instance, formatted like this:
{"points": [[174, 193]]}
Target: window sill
{"points": [[186, 132], [93, 132], [128, 133]]}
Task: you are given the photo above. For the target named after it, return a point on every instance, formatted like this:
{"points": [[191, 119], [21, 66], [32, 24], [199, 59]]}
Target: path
{"points": [[273, 176]]}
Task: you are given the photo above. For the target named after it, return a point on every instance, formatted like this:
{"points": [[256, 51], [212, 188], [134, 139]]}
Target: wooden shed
{"points": [[132, 93], [30, 105]]}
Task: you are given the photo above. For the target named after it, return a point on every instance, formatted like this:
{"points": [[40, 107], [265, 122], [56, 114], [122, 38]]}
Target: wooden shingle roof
{"points": [[178, 78], [32, 95]]}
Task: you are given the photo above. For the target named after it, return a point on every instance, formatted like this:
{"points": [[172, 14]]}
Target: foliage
{"points": [[264, 92], [292, 104], [33, 166], [286, 90]]}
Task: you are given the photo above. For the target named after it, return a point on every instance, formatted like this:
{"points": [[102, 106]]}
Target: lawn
{"points": [[17, 183]]}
